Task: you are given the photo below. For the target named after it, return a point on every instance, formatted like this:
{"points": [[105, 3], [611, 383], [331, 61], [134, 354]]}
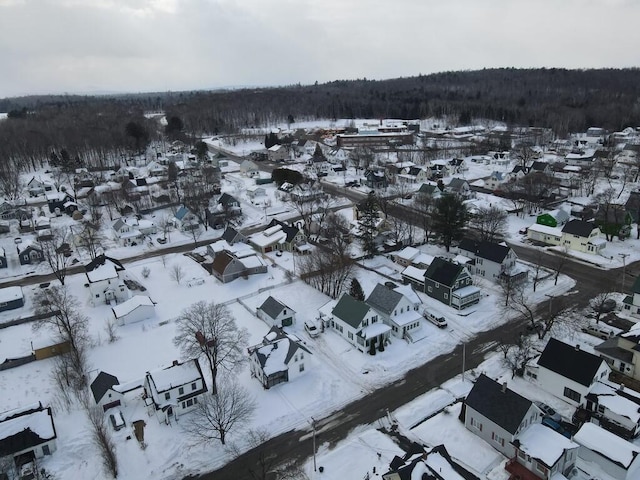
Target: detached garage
{"points": [[136, 309], [11, 298]]}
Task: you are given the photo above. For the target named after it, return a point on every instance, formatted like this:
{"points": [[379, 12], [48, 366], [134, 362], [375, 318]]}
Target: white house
{"points": [[276, 313], [136, 309], [497, 414], [359, 324], [615, 408], [493, 261], [601, 450], [399, 311], [567, 371], [175, 390], [126, 231], [103, 392], [105, 276], [28, 431], [279, 358]]}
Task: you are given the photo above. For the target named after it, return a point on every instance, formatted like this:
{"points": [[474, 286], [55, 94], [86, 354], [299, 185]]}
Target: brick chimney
{"points": [[176, 363]]}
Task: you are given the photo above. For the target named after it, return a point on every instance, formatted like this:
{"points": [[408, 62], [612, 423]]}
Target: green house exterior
{"points": [[547, 219]]}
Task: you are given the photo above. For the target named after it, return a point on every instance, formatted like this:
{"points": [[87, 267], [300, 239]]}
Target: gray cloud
{"points": [[146, 45]]}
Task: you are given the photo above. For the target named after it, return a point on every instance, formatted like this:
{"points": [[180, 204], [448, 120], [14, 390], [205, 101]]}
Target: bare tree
{"points": [[559, 264], [489, 222], [111, 331], [209, 329], [522, 305], [165, 224], [64, 318], [599, 304], [537, 269], [424, 204], [10, 186], [336, 231], [101, 438], [8, 466], [196, 195], [90, 239], [176, 273], [216, 416], [57, 252], [518, 356], [326, 271]]}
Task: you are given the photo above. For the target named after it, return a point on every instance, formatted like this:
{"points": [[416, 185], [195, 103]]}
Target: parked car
{"points": [[557, 426], [117, 420], [28, 471], [161, 240], [599, 331], [548, 411], [439, 322], [311, 328]]}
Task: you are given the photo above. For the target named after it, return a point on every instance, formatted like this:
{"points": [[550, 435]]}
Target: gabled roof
{"points": [[443, 271], [182, 212], [491, 251], [457, 184], [290, 230], [570, 362], [579, 227], [231, 235], [383, 299], [502, 406], [221, 261], [350, 310], [102, 383], [428, 188], [26, 429], [539, 166], [226, 199], [636, 285], [276, 351], [272, 307]]}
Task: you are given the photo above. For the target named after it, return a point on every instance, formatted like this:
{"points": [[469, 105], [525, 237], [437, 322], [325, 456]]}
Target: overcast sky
{"points": [[98, 46]]}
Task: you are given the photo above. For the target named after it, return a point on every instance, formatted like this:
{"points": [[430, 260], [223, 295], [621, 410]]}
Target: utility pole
{"points": [[313, 425], [624, 268], [464, 353]]}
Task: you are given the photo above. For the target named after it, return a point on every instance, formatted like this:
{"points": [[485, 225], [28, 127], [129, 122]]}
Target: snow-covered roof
{"points": [[536, 227], [103, 272], [374, 330], [408, 253], [407, 317], [609, 398], [40, 423], [252, 261], [545, 444], [176, 375], [466, 291], [609, 445], [263, 239], [408, 292], [10, 294], [414, 273], [130, 305]]}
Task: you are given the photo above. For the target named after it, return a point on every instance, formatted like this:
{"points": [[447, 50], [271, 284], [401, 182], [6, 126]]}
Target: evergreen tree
{"points": [[356, 290], [449, 218]]}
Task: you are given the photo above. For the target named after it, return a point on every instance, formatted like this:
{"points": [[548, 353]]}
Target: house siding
{"points": [[555, 384]]}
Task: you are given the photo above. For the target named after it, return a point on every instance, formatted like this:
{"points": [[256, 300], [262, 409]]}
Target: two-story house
{"points": [[497, 414], [622, 352], [126, 231], [359, 324], [276, 313], [492, 260], [450, 284], [174, 390], [105, 276], [567, 371], [615, 408], [582, 236], [279, 236], [279, 358], [399, 311]]}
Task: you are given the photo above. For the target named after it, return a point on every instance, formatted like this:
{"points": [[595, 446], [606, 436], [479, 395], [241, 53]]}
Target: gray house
{"points": [[450, 284], [397, 310], [226, 267], [276, 313], [497, 414], [492, 260], [359, 324], [29, 254]]}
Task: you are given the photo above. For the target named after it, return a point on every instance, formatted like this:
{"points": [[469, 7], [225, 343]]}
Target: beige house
{"points": [[583, 237]]}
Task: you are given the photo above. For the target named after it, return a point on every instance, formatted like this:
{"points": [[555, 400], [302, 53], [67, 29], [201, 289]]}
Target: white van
{"points": [[599, 331]]}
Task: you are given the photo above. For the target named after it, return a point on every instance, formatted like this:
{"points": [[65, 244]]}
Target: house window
{"points": [[295, 358], [497, 438], [350, 335], [97, 295], [302, 367], [429, 289], [601, 408], [195, 400], [522, 455], [181, 391], [374, 319], [572, 394], [477, 425], [167, 395], [189, 403], [301, 355], [446, 296], [45, 450], [193, 386], [541, 468]]}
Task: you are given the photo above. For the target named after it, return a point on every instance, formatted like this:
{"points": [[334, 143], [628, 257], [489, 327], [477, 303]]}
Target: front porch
{"points": [[519, 471], [465, 297]]}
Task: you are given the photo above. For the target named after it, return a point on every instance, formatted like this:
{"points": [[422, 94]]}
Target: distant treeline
{"points": [[564, 100]]}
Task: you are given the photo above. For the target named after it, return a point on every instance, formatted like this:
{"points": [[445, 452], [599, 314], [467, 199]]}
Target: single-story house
{"points": [[11, 298], [136, 309], [554, 218], [276, 313], [103, 393], [279, 358], [27, 433], [29, 253]]}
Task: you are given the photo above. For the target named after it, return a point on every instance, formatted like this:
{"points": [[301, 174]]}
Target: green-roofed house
{"points": [[632, 302], [358, 323]]}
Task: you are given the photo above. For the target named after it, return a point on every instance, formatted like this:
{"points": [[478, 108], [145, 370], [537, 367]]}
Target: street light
{"points": [[624, 268]]}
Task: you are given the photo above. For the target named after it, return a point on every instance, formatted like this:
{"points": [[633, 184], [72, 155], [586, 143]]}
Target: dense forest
{"points": [[89, 128]]}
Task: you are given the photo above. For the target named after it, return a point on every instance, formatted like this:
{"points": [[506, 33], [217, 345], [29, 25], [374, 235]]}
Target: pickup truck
{"points": [[439, 322]]}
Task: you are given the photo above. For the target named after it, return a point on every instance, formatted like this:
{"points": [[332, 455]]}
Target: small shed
{"points": [[11, 298], [136, 309], [553, 218]]}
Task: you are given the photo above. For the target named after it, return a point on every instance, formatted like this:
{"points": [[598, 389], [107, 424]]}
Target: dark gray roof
{"points": [[611, 349], [272, 307], [538, 166], [26, 438], [443, 272], [102, 383], [231, 235], [427, 188], [350, 310], [226, 199], [579, 227], [294, 346], [488, 250], [570, 362], [505, 408], [456, 183], [101, 260], [383, 299], [286, 228]]}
